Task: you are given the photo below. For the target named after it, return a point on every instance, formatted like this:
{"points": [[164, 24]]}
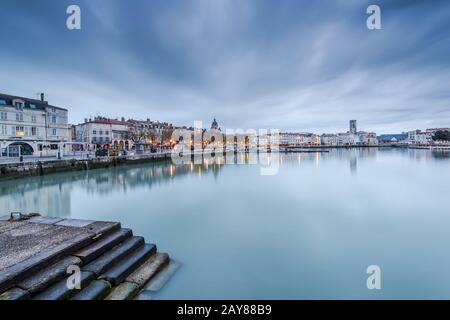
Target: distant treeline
{"points": [[442, 135]]}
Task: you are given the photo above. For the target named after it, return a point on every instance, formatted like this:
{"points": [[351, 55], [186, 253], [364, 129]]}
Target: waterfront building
{"points": [[309, 139], [299, 139], [347, 139], [367, 138], [329, 139], [32, 127], [155, 127], [350, 138], [289, 139], [104, 132], [418, 137]]}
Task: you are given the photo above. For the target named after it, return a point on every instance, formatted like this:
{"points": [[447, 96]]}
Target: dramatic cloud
{"points": [[288, 64]]}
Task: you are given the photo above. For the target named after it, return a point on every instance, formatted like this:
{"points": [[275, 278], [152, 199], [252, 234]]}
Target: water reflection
{"points": [[52, 194], [325, 216]]}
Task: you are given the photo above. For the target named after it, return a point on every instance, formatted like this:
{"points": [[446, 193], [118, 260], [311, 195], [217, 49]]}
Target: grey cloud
{"points": [[292, 65]]}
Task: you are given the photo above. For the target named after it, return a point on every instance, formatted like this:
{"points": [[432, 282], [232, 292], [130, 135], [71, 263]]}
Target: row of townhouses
{"points": [[33, 127], [350, 138], [362, 138], [418, 137]]}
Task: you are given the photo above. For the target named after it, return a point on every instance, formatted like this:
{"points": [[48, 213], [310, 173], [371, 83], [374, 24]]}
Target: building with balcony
{"points": [[31, 127]]}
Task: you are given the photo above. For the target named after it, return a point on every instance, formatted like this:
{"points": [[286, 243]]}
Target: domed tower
{"points": [[215, 125]]}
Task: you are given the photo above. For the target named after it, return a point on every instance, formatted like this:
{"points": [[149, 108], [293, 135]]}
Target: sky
{"points": [[292, 65]]}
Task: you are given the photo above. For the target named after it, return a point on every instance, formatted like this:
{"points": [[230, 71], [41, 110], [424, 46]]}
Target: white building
{"points": [[329, 139], [309, 139], [31, 127], [418, 137], [299, 139], [347, 139], [289, 139], [367, 138], [103, 131]]}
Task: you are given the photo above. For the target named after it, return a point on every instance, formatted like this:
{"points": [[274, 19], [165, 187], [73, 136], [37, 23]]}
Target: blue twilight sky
{"points": [[287, 64]]}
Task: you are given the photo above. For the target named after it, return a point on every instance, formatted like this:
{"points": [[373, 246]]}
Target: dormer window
{"points": [[19, 104]]}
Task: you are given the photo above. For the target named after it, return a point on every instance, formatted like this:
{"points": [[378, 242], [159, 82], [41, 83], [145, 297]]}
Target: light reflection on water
{"points": [[309, 231]]}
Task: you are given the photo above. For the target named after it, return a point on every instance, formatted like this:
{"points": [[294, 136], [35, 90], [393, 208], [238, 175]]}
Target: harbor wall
{"points": [[36, 168]]}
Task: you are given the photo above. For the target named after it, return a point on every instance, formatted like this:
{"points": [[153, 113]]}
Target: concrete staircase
{"points": [[114, 264]]}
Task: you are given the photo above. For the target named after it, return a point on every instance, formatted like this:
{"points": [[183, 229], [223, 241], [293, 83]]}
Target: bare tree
{"points": [[167, 135], [138, 134]]}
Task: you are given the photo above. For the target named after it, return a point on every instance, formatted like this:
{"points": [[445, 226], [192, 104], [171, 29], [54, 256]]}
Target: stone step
{"points": [[97, 290], [118, 272], [149, 269], [15, 294], [101, 246], [48, 276], [105, 261], [99, 229], [60, 291], [144, 295], [160, 279], [124, 291]]}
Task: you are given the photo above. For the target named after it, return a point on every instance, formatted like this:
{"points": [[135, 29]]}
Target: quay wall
{"points": [[26, 169]]}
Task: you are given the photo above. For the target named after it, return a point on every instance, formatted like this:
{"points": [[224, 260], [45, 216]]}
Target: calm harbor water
{"points": [[308, 232]]}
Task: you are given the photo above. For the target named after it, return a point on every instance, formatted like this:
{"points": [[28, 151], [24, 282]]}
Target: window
{"points": [[2, 101], [3, 116], [19, 116], [100, 132], [53, 119], [19, 131], [18, 104], [33, 118], [27, 131], [4, 130], [106, 139], [53, 132], [33, 131], [101, 139], [94, 132], [53, 147], [107, 133], [94, 139]]}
